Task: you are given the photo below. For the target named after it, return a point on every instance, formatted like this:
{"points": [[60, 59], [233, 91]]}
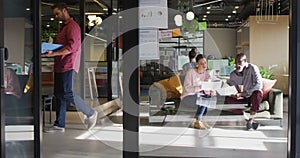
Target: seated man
{"points": [[248, 81]]}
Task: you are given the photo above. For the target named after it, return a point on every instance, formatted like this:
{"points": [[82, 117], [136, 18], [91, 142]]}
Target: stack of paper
{"points": [[227, 91], [211, 85]]}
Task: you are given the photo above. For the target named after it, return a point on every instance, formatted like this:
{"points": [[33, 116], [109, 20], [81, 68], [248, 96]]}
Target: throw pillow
{"points": [[267, 86], [173, 86]]}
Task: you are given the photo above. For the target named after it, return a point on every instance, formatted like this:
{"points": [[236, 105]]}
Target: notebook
{"points": [[49, 46]]}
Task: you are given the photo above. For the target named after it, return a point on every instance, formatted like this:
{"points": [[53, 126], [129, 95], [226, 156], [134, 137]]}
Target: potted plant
{"points": [[266, 73]]}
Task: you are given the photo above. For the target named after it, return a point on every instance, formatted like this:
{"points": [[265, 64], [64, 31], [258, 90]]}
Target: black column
{"points": [[294, 86], [82, 88], [130, 80], [109, 55], [2, 113], [37, 78]]}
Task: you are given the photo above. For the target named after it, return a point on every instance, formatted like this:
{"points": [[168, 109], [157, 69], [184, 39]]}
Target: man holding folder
{"points": [[66, 63]]}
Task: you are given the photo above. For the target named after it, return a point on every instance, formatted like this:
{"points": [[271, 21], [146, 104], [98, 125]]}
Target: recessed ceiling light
{"points": [[204, 19], [208, 8], [204, 16], [226, 19], [47, 25], [27, 9], [234, 11], [208, 12], [190, 15], [178, 20], [60, 22], [236, 7], [92, 17], [52, 19], [229, 16], [105, 9]]}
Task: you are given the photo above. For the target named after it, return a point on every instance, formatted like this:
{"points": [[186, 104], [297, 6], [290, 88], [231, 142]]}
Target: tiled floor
{"points": [[224, 140]]}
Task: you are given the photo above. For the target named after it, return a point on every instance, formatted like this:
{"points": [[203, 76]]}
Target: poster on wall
{"points": [[153, 14], [148, 47], [165, 34]]}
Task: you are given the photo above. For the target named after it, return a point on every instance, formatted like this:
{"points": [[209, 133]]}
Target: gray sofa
{"points": [[271, 109]]}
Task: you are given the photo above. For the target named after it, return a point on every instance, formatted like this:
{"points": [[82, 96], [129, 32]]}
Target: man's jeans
{"points": [[63, 85]]}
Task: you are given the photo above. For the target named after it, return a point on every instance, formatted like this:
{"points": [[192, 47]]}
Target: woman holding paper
{"points": [[192, 86]]}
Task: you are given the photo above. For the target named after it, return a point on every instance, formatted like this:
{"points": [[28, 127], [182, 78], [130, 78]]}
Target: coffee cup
{"points": [[240, 88]]}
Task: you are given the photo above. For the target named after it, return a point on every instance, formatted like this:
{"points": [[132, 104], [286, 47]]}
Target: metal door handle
{"points": [[3, 57]]}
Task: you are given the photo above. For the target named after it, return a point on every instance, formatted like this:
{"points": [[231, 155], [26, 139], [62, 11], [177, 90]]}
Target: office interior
{"points": [[119, 70]]}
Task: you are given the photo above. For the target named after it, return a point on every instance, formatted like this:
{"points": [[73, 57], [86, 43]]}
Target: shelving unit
{"points": [[47, 71], [181, 46], [173, 54], [242, 36]]}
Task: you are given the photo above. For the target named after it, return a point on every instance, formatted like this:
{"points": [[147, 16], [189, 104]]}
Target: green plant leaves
{"points": [[190, 26], [265, 73]]}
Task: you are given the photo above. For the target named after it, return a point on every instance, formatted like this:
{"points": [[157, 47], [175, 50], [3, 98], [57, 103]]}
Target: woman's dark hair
{"points": [[192, 54], [60, 6], [199, 56]]}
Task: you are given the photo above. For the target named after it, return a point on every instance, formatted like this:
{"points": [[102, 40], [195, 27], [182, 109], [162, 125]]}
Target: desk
{"points": [[47, 78]]}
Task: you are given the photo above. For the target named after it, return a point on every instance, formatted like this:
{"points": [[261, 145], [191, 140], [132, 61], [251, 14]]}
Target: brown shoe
{"points": [[207, 126], [199, 125]]}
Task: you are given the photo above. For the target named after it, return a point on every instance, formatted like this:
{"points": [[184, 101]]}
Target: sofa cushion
{"points": [[267, 86], [172, 86]]}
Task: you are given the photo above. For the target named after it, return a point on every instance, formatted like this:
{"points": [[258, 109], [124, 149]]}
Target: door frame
{"points": [[2, 113], [37, 110], [36, 20]]}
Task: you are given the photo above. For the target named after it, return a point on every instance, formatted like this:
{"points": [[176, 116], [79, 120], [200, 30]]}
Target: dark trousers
{"points": [[254, 101], [63, 92]]}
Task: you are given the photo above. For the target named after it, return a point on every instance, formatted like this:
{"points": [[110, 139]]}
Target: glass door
{"points": [[19, 49]]}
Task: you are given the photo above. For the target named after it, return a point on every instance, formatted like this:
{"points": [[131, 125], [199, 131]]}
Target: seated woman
{"points": [[192, 86]]}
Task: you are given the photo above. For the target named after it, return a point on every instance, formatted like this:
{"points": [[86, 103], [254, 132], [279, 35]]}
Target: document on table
{"points": [[211, 85], [227, 91], [50, 46]]}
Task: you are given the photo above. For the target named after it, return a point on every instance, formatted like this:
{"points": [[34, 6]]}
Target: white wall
{"points": [[220, 42], [14, 37], [269, 45]]}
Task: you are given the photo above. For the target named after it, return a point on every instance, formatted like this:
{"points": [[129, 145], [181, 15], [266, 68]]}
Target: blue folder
{"points": [[50, 46]]}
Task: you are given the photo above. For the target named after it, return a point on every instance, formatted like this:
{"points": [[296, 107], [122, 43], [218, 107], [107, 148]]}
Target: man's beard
{"points": [[239, 69], [62, 18]]}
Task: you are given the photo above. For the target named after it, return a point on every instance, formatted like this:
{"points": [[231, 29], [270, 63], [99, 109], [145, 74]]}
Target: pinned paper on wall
{"points": [[153, 14], [202, 25], [176, 32], [148, 47]]}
